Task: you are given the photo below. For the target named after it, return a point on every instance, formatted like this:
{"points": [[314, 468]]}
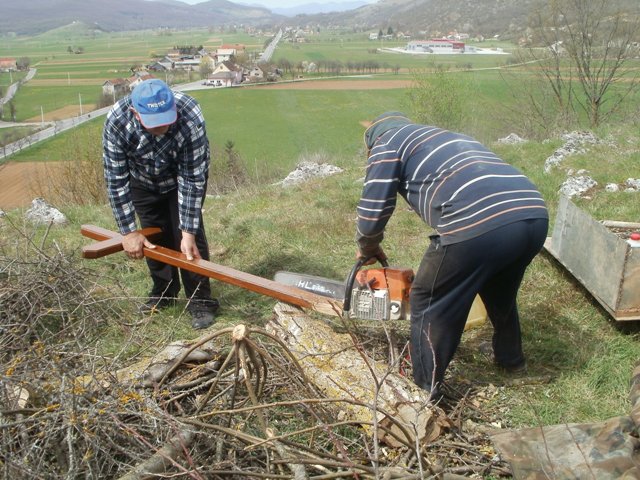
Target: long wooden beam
{"points": [[110, 242]]}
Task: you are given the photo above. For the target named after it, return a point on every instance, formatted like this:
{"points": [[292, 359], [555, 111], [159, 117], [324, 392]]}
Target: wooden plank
{"points": [[270, 288], [110, 242], [618, 224]]}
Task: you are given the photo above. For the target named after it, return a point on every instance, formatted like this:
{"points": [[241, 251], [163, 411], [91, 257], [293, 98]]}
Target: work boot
{"points": [[154, 304], [517, 368], [202, 312]]}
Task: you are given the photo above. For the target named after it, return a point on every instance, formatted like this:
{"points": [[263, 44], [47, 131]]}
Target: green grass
{"points": [[273, 129], [13, 134], [33, 101]]}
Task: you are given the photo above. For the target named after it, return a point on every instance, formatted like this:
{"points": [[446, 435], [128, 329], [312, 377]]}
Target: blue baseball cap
{"points": [[155, 103]]}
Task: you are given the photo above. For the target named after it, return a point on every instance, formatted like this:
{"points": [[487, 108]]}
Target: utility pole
{"points": [[41, 115], [80, 98]]}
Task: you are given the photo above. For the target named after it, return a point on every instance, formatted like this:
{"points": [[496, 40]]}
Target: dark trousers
{"points": [[448, 279], [161, 210]]}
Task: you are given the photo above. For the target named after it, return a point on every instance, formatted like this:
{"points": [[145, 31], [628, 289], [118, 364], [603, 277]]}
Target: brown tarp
{"points": [[598, 451]]}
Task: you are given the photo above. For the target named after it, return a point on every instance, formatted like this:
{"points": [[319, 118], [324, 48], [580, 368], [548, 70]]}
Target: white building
{"points": [[435, 45]]}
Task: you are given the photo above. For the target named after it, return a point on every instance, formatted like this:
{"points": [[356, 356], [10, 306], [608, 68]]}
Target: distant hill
{"points": [[313, 8], [435, 17], [36, 16], [487, 17], [506, 18]]}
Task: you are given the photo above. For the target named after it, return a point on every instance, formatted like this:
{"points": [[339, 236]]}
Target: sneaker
{"points": [[155, 304], [202, 313]]}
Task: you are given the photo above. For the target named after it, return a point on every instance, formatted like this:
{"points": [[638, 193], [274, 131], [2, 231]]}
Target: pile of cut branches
{"points": [[234, 403]]}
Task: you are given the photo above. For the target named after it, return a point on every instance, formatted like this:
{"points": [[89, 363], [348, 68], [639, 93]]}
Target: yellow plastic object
{"points": [[477, 314]]}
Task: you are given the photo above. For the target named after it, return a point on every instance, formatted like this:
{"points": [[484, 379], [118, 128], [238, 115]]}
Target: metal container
{"points": [[601, 260]]}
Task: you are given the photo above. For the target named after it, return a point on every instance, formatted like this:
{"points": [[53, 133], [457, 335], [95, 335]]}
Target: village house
{"points": [[8, 64], [137, 78], [115, 88], [224, 54], [187, 62], [163, 65], [255, 74], [174, 54], [238, 47], [225, 74]]}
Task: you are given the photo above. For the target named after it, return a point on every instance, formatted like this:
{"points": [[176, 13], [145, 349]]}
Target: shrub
{"points": [[439, 97], [79, 180], [227, 172]]}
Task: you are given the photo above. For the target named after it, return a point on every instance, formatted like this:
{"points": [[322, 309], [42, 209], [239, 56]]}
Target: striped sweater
{"points": [[457, 186]]}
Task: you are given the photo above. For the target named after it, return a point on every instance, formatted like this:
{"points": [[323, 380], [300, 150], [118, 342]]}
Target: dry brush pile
{"points": [[232, 404]]}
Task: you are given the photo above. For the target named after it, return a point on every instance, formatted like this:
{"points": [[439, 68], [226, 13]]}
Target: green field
{"points": [[271, 129], [274, 129], [356, 49], [65, 76]]}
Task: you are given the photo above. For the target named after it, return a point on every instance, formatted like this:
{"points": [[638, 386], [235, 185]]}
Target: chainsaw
{"points": [[370, 294], [373, 293]]}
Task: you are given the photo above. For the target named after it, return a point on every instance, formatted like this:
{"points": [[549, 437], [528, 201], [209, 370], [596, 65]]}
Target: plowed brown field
{"points": [[21, 182]]}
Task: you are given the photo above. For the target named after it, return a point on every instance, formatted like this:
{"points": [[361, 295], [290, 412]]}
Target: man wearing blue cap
{"points": [[489, 221], [156, 164]]}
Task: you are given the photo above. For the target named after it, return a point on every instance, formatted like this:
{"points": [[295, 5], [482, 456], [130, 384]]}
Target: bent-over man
{"points": [[488, 219], [156, 165]]}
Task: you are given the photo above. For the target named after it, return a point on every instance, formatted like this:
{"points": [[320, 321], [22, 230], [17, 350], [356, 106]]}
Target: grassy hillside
{"points": [[585, 357]]}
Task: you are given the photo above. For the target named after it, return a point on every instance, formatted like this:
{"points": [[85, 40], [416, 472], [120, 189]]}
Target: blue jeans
{"points": [[446, 283]]}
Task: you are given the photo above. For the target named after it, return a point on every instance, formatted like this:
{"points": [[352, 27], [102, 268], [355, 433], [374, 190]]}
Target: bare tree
{"points": [[586, 45], [206, 67]]}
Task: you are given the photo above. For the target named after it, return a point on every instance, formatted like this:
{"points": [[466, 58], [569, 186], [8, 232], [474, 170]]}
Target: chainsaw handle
{"points": [[346, 306]]}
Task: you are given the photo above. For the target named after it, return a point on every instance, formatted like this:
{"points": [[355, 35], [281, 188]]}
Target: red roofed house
{"points": [[137, 78], [7, 64], [238, 47], [116, 87]]}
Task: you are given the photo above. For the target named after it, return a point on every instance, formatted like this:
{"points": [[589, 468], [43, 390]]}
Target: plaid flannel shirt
{"points": [[178, 159]]}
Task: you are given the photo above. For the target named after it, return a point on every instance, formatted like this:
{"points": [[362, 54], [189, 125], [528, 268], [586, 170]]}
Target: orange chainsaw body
{"points": [[382, 293]]}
